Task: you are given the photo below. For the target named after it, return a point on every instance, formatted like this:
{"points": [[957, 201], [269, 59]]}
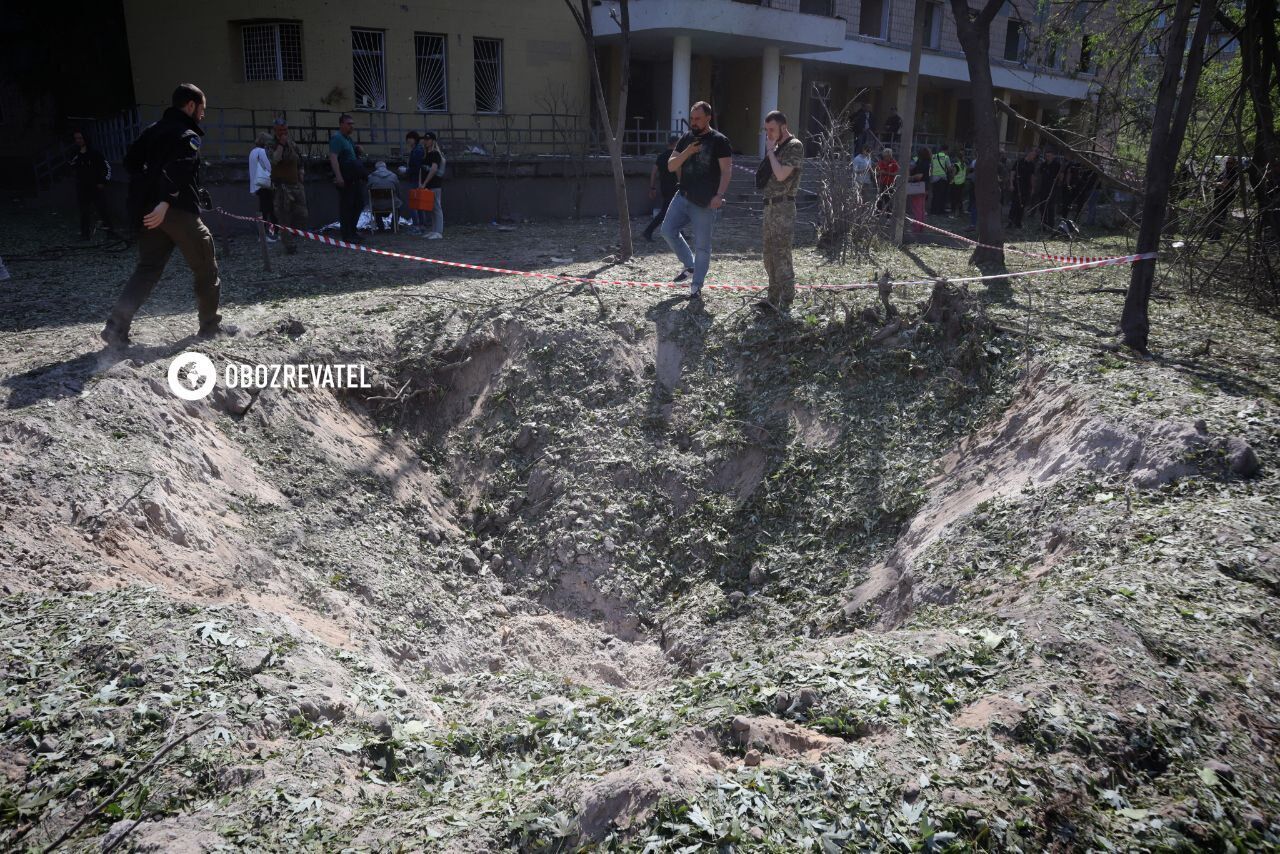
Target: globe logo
{"points": [[192, 376]]}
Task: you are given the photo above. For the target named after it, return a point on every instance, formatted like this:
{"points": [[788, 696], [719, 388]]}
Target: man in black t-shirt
{"points": [[1047, 191], [1024, 172], [703, 160], [662, 180]]}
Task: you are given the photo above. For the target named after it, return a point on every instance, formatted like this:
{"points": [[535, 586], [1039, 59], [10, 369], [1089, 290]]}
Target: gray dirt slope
{"points": [[616, 571]]}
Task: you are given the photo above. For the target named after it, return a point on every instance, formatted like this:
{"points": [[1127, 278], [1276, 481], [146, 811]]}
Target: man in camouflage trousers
{"points": [[778, 178], [287, 175]]}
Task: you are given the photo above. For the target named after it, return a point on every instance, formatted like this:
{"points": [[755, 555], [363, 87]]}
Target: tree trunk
{"points": [[613, 133], [908, 113], [974, 32], [1169, 126], [1260, 62]]}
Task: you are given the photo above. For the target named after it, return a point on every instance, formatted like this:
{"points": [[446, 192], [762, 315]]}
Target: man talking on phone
{"points": [[778, 179], [703, 160]]}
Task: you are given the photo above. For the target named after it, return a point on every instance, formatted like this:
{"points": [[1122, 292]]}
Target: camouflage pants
{"points": [[779, 226], [291, 209]]}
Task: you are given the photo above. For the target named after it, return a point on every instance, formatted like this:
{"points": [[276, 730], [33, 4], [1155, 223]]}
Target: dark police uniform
{"points": [[164, 166], [92, 172]]}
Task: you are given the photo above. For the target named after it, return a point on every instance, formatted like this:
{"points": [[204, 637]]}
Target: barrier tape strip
{"points": [[567, 279], [557, 277], [1069, 259]]}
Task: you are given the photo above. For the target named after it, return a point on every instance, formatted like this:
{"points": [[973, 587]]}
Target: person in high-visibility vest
{"points": [[939, 179], [957, 186]]}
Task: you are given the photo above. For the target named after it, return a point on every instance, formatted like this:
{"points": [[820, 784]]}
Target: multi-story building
{"points": [[477, 69], [808, 56]]}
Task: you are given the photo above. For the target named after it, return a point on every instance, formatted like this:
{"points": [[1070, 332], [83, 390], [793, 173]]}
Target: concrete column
{"points": [[770, 70], [681, 60]]}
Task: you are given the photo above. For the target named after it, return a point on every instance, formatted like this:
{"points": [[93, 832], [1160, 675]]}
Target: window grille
{"points": [[433, 78], [488, 60], [272, 51], [369, 67]]}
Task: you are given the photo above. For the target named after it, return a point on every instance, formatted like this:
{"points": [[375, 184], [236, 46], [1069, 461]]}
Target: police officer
{"points": [[92, 174], [778, 178], [165, 198]]}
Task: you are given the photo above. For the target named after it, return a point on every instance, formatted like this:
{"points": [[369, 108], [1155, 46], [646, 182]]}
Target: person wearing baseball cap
{"points": [[287, 175]]}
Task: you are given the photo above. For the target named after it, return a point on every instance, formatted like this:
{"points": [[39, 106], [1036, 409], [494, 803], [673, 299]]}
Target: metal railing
{"points": [[230, 133]]}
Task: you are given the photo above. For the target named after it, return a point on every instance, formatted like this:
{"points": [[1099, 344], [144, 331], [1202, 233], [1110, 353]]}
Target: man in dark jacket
{"points": [[165, 198], [92, 174], [662, 182]]}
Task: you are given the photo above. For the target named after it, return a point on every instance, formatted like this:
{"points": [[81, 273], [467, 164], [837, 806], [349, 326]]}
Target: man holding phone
{"points": [[703, 160]]}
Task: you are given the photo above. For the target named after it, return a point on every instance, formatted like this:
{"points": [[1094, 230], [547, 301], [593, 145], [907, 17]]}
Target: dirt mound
{"points": [[1048, 434]]}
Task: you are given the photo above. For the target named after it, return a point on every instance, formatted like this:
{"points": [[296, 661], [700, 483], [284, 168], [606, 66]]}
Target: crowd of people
{"points": [[1038, 189], [691, 175], [166, 197]]}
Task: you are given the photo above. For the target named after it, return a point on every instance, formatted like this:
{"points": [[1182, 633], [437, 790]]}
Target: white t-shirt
{"points": [[862, 169], [259, 170]]}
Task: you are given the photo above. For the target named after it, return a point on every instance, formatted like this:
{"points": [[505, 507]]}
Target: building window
{"points": [[1014, 41], [433, 80], [816, 7], [1156, 32], [488, 59], [873, 19], [369, 68], [272, 51], [933, 25], [1086, 54]]}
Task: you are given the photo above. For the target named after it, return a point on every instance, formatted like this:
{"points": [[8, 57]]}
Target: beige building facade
{"points": [[437, 64], [488, 75]]}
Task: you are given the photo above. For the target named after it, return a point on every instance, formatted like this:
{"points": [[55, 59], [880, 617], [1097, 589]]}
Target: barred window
{"points": [[433, 78], [488, 62], [369, 68], [272, 51]]}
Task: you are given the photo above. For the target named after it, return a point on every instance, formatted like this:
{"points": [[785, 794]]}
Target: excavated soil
{"points": [[632, 573]]}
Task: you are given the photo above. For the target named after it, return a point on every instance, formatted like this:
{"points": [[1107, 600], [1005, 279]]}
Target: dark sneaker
{"points": [[219, 330], [695, 292], [764, 306], [683, 274]]}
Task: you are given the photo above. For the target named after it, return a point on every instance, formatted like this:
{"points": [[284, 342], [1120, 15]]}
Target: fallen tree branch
{"points": [[133, 778], [1057, 140]]}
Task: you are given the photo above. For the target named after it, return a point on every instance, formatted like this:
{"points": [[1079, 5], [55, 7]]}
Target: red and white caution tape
{"points": [[1070, 259], [564, 278], [557, 277]]}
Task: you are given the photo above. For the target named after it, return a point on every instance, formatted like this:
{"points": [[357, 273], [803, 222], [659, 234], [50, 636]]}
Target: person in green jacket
{"points": [[957, 185], [940, 181]]}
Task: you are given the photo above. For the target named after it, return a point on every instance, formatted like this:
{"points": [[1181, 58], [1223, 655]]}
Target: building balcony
{"points": [[725, 28], [947, 65]]}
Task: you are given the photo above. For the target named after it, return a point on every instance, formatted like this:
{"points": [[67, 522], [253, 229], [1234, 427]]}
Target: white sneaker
{"points": [[433, 235], [272, 239]]}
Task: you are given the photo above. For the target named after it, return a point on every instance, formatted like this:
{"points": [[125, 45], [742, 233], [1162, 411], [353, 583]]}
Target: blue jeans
{"points": [[683, 212]]}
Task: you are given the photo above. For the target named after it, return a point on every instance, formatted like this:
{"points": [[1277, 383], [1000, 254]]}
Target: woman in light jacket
{"points": [[260, 183]]}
